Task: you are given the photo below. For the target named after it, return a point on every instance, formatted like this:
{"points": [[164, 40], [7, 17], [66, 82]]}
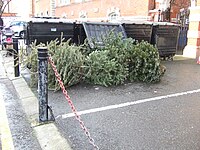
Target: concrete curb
{"points": [[47, 134], [181, 57]]}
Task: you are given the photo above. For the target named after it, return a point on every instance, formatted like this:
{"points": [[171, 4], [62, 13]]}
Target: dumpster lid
{"points": [[134, 22], [96, 31], [165, 23], [50, 20]]}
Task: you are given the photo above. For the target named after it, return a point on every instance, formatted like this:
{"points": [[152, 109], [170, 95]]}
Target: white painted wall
{"points": [[21, 7]]}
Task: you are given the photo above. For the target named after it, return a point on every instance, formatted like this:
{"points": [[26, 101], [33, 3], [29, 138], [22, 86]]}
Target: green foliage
{"points": [[30, 61], [69, 62], [118, 47], [102, 70], [67, 58], [117, 61], [141, 60], [144, 63]]}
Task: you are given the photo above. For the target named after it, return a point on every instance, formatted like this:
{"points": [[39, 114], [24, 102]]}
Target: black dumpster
{"points": [[43, 31], [79, 34], [139, 32], [165, 38], [95, 32]]}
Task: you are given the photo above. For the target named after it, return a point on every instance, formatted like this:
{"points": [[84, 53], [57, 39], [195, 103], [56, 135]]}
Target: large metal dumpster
{"points": [[165, 38], [46, 30], [79, 34], [139, 31], [96, 31]]}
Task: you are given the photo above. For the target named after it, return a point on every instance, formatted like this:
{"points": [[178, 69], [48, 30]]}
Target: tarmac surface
{"points": [[126, 117], [136, 116]]}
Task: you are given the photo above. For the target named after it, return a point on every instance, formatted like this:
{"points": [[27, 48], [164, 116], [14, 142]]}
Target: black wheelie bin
{"points": [[165, 37]]}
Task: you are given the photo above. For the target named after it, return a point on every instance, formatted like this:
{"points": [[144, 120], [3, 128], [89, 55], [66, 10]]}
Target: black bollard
{"points": [[43, 83], [16, 57]]}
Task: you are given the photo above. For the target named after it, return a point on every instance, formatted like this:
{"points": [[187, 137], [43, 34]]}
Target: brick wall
{"points": [[179, 4], [100, 8], [42, 7]]}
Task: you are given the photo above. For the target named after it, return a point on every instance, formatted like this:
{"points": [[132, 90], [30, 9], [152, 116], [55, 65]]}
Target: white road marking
{"points": [[127, 104], [6, 137]]}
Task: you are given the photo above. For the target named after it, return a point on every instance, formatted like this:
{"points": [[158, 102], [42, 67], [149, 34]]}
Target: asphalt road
{"points": [[127, 117], [140, 116]]}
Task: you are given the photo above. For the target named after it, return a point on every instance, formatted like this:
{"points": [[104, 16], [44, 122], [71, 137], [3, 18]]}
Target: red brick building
{"points": [[104, 9], [111, 9]]}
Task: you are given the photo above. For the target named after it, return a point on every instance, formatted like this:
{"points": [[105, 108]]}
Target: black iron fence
{"points": [[182, 40]]}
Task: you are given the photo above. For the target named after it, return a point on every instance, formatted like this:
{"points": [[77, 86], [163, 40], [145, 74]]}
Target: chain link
{"points": [[91, 140]]}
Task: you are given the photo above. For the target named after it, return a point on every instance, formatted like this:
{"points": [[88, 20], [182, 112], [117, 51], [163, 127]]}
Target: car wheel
{"points": [[21, 35]]}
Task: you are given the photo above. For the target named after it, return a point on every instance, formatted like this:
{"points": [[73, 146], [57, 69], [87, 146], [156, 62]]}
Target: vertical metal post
{"points": [[159, 15], [43, 83], [16, 57]]}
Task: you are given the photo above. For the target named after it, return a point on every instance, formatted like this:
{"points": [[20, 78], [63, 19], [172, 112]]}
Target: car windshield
{"points": [[17, 23]]}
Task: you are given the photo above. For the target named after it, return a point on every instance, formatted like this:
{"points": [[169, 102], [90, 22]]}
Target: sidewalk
{"points": [[47, 134]]}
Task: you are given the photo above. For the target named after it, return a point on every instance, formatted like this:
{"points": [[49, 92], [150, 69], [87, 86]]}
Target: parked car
{"points": [[18, 27]]}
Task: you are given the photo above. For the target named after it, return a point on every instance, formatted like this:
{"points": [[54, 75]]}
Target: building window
{"points": [[82, 14], [78, 1], [193, 3], [64, 15], [113, 16], [113, 13], [64, 2]]}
